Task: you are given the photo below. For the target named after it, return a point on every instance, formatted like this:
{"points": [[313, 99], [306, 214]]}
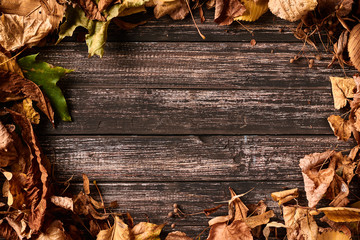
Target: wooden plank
{"points": [[267, 29], [155, 200], [183, 158], [160, 111], [192, 65]]}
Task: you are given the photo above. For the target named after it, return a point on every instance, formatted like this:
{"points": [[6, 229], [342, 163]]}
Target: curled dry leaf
{"points": [[18, 31], [119, 231], [9, 65], [291, 10], [86, 184], [333, 235], [354, 46], [317, 178], [254, 10], [176, 9], [237, 230], [341, 127], [64, 202], [146, 231], [55, 231], [341, 214], [285, 196], [266, 231], [91, 10], [338, 192], [259, 220], [227, 10], [177, 236], [8, 150], [300, 224], [342, 89], [26, 108]]}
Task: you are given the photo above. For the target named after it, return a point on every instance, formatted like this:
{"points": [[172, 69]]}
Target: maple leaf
{"points": [[317, 179], [341, 127], [47, 76], [119, 231], [96, 38], [15, 87], [227, 10], [342, 89]]}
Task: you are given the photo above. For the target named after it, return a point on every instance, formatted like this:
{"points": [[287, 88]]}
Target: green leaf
{"points": [[97, 30], [46, 76]]}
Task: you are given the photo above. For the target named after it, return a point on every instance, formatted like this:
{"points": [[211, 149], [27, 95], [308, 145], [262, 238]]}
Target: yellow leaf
{"points": [[147, 231], [8, 65], [341, 214], [254, 10], [333, 235], [342, 88], [119, 231], [340, 127], [26, 109]]}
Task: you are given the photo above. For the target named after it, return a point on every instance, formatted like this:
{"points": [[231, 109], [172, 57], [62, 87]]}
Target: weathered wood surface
{"points": [[183, 158], [165, 117]]}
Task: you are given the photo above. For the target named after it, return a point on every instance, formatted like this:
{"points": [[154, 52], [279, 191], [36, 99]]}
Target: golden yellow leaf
{"points": [[9, 65], [291, 10], [340, 127], [341, 214], [342, 88], [254, 10], [146, 231], [26, 109], [333, 235], [285, 196], [119, 231]]}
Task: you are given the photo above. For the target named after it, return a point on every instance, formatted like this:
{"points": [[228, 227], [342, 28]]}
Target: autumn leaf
{"points": [[26, 108], [254, 10], [177, 236], [8, 151], [341, 7], [103, 4], [227, 10], [64, 202], [342, 89], [266, 231], [47, 76], [285, 196], [96, 38], [341, 127], [119, 231], [354, 47], [146, 231], [300, 224], [333, 235], [176, 9], [90, 9], [15, 87], [341, 214], [237, 230], [259, 220], [291, 10], [317, 179], [55, 231], [9, 65]]}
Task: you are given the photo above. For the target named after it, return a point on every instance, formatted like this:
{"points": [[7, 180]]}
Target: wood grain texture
{"points": [[172, 111], [225, 65], [183, 158]]}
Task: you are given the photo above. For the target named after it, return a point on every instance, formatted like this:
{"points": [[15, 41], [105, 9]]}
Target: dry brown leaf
{"points": [[341, 214], [317, 178], [54, 232], [333, 235], [327, 7], [342, 89], [299, 224], [285, 196], [266, 231], [291, 10], [227, 10], [354, 46], [177, 236], [9, 65], [341, 127], [237, 230], [86, 184], [18, 31], [239, 207], [91, 10], [15, 87], [259, 220], [146, 231], [176, 9], [103, 4], [336, 226], [26, 108], [119, 231], [8, 150], [83, 206], [64, 202]]}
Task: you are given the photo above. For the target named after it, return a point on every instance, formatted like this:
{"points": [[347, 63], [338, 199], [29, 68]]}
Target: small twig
{"points": [[192, 17], [102, 201], [13, 56]]}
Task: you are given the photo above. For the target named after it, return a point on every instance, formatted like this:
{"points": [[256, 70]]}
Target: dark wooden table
{"points": [[166, 117]]}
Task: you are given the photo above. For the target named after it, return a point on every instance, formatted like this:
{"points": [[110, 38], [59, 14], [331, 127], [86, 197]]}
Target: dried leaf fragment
{"points": [[341, 214], [341, 127], [119, 231], [285, 196], [291, 10], [259, 220], [342, 89], [177, 236], [227, 10], [333, 235], [146, 231], [254, 10], [266, 231], [354, 46], [8, 151], [237, 230]]}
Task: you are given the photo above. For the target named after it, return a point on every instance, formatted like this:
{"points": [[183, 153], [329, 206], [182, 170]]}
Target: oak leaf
{"points": [[341, 127]]}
